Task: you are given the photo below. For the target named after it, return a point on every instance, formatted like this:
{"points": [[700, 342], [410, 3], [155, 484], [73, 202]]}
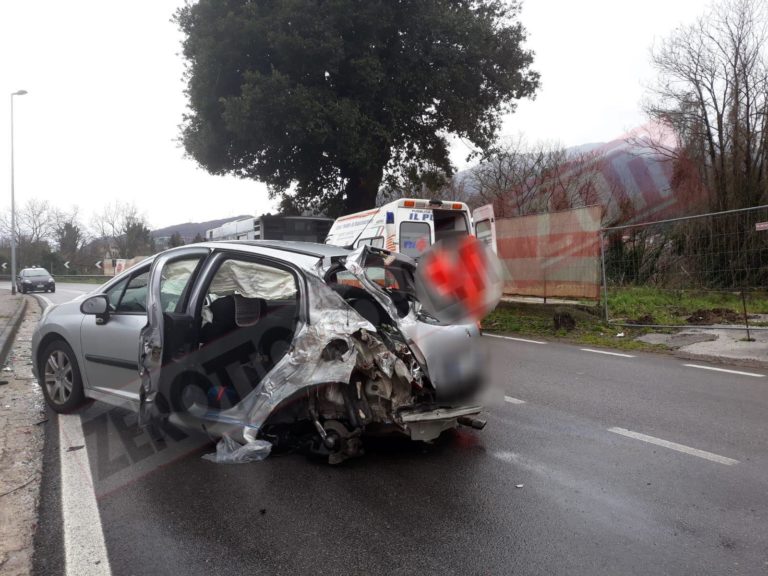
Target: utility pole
{"points": [[13, 202]]}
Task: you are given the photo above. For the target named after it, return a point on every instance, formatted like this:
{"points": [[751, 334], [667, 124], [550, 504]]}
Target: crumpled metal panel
{"points": [[303, 367]]}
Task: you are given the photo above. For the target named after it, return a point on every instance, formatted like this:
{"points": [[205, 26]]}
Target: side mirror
{"points": [[97, 305]]}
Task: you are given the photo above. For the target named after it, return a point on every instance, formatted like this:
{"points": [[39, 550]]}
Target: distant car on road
{"points": [[35, 279]]}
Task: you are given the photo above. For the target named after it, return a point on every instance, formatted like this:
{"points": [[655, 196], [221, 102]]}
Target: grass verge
{"points": [[537, 320], [83, 279], [646, 305]]}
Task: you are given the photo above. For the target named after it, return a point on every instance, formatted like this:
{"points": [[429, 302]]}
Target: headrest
{"points": [[248, 311]]}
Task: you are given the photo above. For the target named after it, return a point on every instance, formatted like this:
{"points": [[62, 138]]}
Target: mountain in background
{"points": [[627, 170], [189, 230]]}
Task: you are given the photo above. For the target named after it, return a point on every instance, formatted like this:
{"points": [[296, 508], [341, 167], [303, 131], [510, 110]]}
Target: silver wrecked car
{"points": [[265, 344]]}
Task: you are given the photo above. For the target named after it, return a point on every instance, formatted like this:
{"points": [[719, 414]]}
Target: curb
{"points": [[9, 332]]}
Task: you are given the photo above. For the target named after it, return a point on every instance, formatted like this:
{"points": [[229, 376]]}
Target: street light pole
{"points": [[13, 202]]}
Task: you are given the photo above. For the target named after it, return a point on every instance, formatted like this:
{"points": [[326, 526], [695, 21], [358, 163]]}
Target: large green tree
{"points": [[325, 99]]}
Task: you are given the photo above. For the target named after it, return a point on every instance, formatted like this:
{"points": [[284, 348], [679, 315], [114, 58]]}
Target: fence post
{"points": [[601, 236], [746, 316]]}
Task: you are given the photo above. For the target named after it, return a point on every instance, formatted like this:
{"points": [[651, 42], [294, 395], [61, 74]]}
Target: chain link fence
{"points": [[709, 270]]}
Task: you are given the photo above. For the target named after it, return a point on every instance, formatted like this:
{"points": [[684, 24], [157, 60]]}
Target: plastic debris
{"points": [[519, 485], [229, 451], [620, 335]]}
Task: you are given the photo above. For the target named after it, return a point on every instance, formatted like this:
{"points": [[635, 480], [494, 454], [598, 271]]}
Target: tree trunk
{"points": [[361, 190]]}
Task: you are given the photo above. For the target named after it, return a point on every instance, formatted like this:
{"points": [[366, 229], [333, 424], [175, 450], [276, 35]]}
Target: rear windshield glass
{"points": [[415, 238], [37, 272]]}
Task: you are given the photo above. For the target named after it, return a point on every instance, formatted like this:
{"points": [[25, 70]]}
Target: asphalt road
{"points": [[574, 474]]}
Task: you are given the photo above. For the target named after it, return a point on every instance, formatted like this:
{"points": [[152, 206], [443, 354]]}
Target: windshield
{"points": [[37, 272]]}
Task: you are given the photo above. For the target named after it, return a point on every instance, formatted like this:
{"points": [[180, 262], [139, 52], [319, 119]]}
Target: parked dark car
{"points": [[35, 279]]}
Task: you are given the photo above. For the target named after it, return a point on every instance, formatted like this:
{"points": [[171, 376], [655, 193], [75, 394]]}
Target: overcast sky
{"points": [[105, 98]]}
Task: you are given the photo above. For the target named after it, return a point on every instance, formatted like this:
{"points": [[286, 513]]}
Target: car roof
{"points": [[305, 254]]}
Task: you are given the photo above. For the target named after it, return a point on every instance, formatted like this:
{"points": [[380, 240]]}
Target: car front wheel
{"points": [[61, 381]]}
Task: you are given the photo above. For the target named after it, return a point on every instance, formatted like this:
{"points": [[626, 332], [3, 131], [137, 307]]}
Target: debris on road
{"points": [[228, 451]]}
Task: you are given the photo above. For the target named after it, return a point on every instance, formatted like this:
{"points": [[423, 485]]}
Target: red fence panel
{"points": [[552, 255]]}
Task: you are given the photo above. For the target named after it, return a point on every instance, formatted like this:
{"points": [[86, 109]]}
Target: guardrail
{"points": [[83, 278]]}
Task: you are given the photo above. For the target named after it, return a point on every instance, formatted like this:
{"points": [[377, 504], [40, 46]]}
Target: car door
{"points": [[109, 346], [170, 282], [485, 225]]}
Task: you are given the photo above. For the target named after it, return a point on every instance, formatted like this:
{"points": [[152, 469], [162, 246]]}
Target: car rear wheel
{"points": [[61, 381]]}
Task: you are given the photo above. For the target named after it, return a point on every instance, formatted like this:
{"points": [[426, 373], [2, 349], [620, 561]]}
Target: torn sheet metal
{"points": [[228, 451], [304, 366]]}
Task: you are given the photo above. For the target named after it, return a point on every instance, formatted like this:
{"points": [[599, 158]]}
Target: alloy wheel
{"points": [[59, 376]]}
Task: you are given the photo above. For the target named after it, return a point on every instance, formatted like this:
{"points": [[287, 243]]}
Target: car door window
{"points": [[114, 293], [173, 283], [134, 298]]}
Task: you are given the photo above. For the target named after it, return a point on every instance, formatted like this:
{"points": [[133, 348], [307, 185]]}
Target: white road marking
{"points": [[45, 299], [513, 400], [606, 352], [674, 446], [515, 339], [724, 370], [85, 551]]}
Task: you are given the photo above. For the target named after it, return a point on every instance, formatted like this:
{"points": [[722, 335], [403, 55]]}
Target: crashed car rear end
{"points": [[368, 359]]}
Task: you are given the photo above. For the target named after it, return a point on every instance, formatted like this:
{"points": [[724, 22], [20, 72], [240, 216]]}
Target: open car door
{"points": [[485, 225], [171, 280]]}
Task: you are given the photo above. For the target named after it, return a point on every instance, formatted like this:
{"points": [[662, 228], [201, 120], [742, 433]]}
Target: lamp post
{"points": [[13, 203]]}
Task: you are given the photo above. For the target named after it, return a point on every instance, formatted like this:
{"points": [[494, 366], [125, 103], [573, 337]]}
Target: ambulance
{"points": [[408, 225]]}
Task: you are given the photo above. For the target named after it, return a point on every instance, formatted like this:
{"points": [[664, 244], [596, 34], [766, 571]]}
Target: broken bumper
{"points": [[427, 424]]}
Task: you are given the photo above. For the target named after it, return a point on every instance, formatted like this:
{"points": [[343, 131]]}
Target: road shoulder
{"points": [[21, 443]]}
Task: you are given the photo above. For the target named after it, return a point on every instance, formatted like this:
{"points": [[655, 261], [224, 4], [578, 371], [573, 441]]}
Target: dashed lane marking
{"points": [[738, 372], [513, 400], [527, 341], [606, 353], [674, 446]]}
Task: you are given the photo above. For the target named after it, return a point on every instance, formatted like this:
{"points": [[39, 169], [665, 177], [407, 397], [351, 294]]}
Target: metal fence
{"points": [[709, 270]]}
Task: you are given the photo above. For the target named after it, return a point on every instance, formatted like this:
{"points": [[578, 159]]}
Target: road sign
{"points": [[98, 264], [5, 265], [761, 226], [66, 264]]}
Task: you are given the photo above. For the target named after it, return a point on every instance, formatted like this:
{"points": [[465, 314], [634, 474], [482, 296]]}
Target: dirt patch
{"points": [[647, 319], [714, 316]]}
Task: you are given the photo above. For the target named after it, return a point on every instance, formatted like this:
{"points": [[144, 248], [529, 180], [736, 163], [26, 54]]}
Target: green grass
{"points": [[676, 306], [651, 305], [536, 320]]}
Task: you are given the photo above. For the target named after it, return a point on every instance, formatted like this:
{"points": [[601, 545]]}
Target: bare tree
{"points": [[124, 229], [712, 91], [520, 179]]}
